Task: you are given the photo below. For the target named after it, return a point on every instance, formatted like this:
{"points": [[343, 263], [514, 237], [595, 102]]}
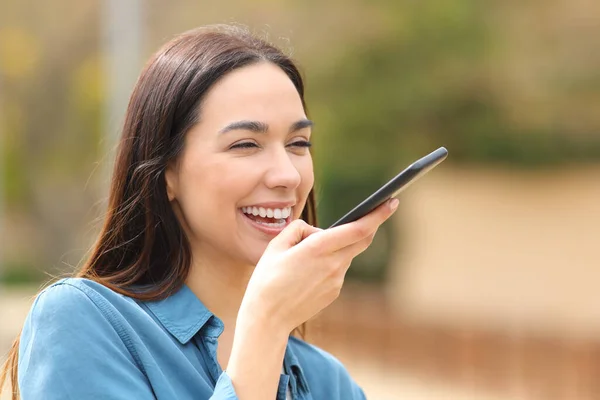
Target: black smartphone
{"points": [[395, 186]]}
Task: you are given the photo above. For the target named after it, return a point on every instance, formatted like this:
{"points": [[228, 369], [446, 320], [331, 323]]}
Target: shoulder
{"points": [[324, 372], [63, 314], [71, 288], [72, 295], [74, 340], [72, 307], [64, 297], [70, 315]]}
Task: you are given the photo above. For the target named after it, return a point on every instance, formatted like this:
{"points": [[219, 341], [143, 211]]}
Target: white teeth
{"points": [[277, 213], [273, 224]]}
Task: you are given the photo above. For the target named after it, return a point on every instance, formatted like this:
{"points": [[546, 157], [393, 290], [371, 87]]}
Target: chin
{"points": [[256, 256], [254, 252]]}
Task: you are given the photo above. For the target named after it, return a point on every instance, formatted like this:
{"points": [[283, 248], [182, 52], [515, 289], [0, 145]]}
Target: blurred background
{"points": [[484, 286]]}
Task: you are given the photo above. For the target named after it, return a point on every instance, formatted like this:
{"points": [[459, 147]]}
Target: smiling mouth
{"points": [[270, 218]]}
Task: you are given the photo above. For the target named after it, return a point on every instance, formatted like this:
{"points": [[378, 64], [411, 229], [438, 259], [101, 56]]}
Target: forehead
{"points": [[259, 91]]}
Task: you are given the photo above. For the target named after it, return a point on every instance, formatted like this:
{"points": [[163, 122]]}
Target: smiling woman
{"points": [[249, 149], [209, 258]]}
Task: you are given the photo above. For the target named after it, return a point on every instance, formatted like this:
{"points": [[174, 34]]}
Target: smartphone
{"points": [[395, 186]]}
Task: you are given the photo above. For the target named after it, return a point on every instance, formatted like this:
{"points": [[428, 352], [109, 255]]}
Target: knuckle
{"points": [[362, 230], [333, 268], [298, 223], [313, 245], [338, 268]]}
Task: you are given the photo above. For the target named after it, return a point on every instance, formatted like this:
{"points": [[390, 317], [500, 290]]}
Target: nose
{"points": [[282, 173]]}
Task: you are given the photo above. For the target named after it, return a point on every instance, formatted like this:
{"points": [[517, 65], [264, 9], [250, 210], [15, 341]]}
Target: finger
{"points": [[345, 235], [293, 234], [343, 258], [357, 248]]}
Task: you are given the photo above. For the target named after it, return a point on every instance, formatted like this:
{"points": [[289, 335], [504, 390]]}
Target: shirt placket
{"points": [[210, 344], [295, 378], [209, 338], [282, 389]]}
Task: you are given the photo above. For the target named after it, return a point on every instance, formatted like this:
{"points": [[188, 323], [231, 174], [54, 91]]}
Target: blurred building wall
{"points": [[502, 248]]}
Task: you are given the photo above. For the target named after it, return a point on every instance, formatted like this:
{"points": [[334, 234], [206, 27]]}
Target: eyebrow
{"points": [[261, 127]]}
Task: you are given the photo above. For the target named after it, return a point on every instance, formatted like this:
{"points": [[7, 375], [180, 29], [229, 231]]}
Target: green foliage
{"points": [[388, 95], [424, 84], [418, 79], [13, 273], [389, 98], [14, 167], [340, 194]]}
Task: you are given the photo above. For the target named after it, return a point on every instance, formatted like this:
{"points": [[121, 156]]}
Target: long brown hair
{"points": [[141, 241]]}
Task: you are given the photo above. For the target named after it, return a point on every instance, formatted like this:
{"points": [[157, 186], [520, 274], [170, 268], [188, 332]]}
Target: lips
{"points": [[268, 212], [269, 226]]}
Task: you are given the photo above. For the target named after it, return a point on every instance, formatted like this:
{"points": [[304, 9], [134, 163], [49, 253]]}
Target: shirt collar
{"points": [[294, 369], [182, 314]]}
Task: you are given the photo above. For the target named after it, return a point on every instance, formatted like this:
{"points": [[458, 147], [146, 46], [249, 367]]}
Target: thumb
{"points": [[293, 234]]}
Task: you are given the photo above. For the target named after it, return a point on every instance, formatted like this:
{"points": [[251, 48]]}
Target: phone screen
{"points": [[395, 186]]}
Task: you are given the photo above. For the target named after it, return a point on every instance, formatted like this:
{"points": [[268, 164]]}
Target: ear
{"points": [[171, 182]]}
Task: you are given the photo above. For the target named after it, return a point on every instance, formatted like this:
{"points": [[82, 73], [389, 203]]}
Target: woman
{"points": [[208, 258]]}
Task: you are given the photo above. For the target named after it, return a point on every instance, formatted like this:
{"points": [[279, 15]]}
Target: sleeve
{"points": [[359, 394], [347, 387], [350, 385], [224, 389], [70, 350]]}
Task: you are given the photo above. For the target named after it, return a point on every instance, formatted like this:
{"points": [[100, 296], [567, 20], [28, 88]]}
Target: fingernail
{"points": [[394, 204]]}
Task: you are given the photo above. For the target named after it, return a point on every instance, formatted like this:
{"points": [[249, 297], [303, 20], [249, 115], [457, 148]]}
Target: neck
{"points": [[220, 284]]}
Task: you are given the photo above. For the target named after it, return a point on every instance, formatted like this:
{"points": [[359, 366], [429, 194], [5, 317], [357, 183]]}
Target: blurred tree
{"points": [[390, 97], [46, 142], [19, 59], [387, 81], [425, 83]]}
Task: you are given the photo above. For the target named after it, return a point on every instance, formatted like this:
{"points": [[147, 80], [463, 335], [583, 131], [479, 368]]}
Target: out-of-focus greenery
{"points": [[427, 83], [424, 85], [461, 74], [21, 274]]}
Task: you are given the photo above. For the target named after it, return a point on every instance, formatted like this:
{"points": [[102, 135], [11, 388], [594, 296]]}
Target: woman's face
{"points": [[246, 171]]}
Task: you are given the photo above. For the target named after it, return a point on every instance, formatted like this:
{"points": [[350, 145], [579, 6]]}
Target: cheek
{"points": [[305, 168], [212, 191], [308, 176]]}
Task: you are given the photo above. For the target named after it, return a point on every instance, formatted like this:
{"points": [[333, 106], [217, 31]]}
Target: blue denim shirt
{"points": [[83, 341]]}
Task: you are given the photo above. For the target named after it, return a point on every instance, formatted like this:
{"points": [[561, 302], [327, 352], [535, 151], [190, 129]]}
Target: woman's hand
{"points": [[300, 273], [302, 270]]}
